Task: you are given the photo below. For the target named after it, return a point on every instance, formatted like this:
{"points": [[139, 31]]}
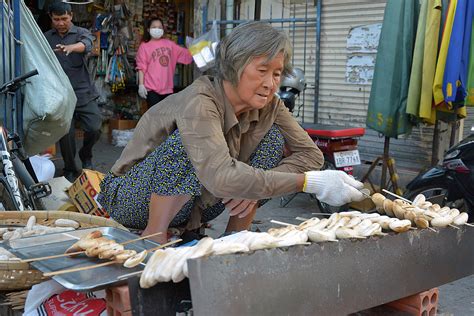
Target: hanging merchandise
{"points": [[419, 104], [204, 47], [451, 77], [470, 71], [439, 81], [455, 77], [388, 97], [116, 72], [444, 67], [424, 51], [114, 35]]}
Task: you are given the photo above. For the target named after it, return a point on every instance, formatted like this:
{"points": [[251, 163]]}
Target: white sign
{"points": [[346, 158], [362, 44]]}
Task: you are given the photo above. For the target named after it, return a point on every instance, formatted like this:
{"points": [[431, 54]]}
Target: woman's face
{"points": [[156, 24], [259, 82]]}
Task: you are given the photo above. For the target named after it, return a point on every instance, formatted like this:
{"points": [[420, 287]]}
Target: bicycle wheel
{"points": [[10, 200]]}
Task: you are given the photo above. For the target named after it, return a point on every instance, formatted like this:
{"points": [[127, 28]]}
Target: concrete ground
{"points": [[455, 298]]}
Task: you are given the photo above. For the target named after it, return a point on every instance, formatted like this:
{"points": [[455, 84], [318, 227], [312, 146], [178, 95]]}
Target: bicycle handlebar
{"points": [[14, 84]]}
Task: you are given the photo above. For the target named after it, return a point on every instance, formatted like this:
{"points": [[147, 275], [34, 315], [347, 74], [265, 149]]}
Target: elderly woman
{"points": [[218, 145]]}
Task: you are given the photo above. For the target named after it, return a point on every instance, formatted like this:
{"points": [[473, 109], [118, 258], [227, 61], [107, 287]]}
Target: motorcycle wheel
{"points": [[326, 208], [436, 194]]}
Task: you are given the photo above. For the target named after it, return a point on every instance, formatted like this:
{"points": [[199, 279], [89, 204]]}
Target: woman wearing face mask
{"points": [[156, 62]]}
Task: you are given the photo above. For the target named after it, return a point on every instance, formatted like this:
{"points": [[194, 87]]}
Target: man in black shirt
{"points": [[71, 44]]}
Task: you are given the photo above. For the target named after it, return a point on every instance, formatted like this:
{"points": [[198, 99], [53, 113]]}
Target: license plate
{"points": [[347, 158]]}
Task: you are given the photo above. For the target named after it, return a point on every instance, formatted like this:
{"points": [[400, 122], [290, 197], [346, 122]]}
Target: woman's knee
{"points": [[270, 150]]}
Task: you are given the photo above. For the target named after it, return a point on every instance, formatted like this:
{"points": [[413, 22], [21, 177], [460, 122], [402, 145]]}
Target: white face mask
{"points": [[156, 33]]}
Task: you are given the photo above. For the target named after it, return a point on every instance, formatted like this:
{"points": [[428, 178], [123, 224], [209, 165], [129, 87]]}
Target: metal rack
{"points": [[319, 279]]}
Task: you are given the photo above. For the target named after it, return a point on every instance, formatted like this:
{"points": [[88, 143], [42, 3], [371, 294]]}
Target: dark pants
{"points": [[153, 98], [91, 121]]}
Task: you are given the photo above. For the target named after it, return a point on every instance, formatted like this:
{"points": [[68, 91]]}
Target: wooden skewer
{"points": [[164, 245], [301, 219], [83, 251], [467, 224], [431, 228], [324, 214], [137, 239], [103, 264], [282, 223], [126, 276], [53, 256], [397, 196]]}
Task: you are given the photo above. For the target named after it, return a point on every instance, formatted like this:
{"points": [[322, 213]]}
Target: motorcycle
{"points": [[451, 183], [338, 144]]}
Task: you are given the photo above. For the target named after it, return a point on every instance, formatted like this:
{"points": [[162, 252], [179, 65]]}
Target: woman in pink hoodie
{"points": [[156, 62]]}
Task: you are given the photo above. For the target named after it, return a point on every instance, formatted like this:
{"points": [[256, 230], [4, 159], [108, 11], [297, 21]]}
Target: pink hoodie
{"points": [[157, 59]]}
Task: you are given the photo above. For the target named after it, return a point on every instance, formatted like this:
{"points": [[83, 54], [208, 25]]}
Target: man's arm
{"points": [[83, 45], [72, 48]]}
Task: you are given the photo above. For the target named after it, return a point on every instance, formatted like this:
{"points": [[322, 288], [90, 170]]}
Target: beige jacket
{"points": [[219, 144]]}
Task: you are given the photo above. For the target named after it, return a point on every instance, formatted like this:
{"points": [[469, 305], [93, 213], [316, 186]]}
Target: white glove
{"points": [[142, 91], [333, 187]]}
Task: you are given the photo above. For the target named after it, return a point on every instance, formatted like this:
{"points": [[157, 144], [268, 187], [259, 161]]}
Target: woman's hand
{"points": [[239, 207], [333, 187], [142, 91]]}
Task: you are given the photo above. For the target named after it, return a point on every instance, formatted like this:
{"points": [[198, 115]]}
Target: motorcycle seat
{"points": [[332, 131]]}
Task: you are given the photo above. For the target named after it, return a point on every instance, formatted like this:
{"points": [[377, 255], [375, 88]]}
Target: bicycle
{"points": [[20, 188]]}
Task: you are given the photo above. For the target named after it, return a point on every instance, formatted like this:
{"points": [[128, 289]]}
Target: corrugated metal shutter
{"points": [[342, 103]]}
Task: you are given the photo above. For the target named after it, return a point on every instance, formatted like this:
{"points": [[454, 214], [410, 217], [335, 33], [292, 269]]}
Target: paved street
{"points": [[455, 298]]}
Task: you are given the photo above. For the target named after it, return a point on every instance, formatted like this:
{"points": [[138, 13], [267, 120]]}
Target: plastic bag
{"points": [[49, 99], [204, 47], [51, 298]]}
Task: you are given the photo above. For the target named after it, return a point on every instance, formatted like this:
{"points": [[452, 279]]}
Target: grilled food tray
{"points": [[88, 280]]}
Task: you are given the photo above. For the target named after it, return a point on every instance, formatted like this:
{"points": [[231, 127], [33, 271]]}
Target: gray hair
{"points": [[247, 41]]}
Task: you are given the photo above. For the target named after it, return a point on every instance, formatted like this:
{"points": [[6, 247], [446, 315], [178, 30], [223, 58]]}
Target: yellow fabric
{"points": [[443, 53], [433, 22], [305, 183]]}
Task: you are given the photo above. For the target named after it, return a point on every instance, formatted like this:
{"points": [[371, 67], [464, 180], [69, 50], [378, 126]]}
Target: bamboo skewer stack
{"points": [[16, 299]]}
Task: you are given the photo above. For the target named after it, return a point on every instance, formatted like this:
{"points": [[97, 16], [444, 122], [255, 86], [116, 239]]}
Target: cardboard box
{"points": [[83, 193], [120, 124], [58, 199]]}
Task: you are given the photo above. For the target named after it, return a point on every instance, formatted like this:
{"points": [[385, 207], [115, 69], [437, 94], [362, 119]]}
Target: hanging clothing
{"points": [[433, 24], [414, 88], [388, 96], [470, 78], [443, 53], [451, 89], [453, 84], [466, 46]]}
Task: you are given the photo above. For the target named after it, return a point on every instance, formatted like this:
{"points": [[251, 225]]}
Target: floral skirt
{"points": [[168, 171]]}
